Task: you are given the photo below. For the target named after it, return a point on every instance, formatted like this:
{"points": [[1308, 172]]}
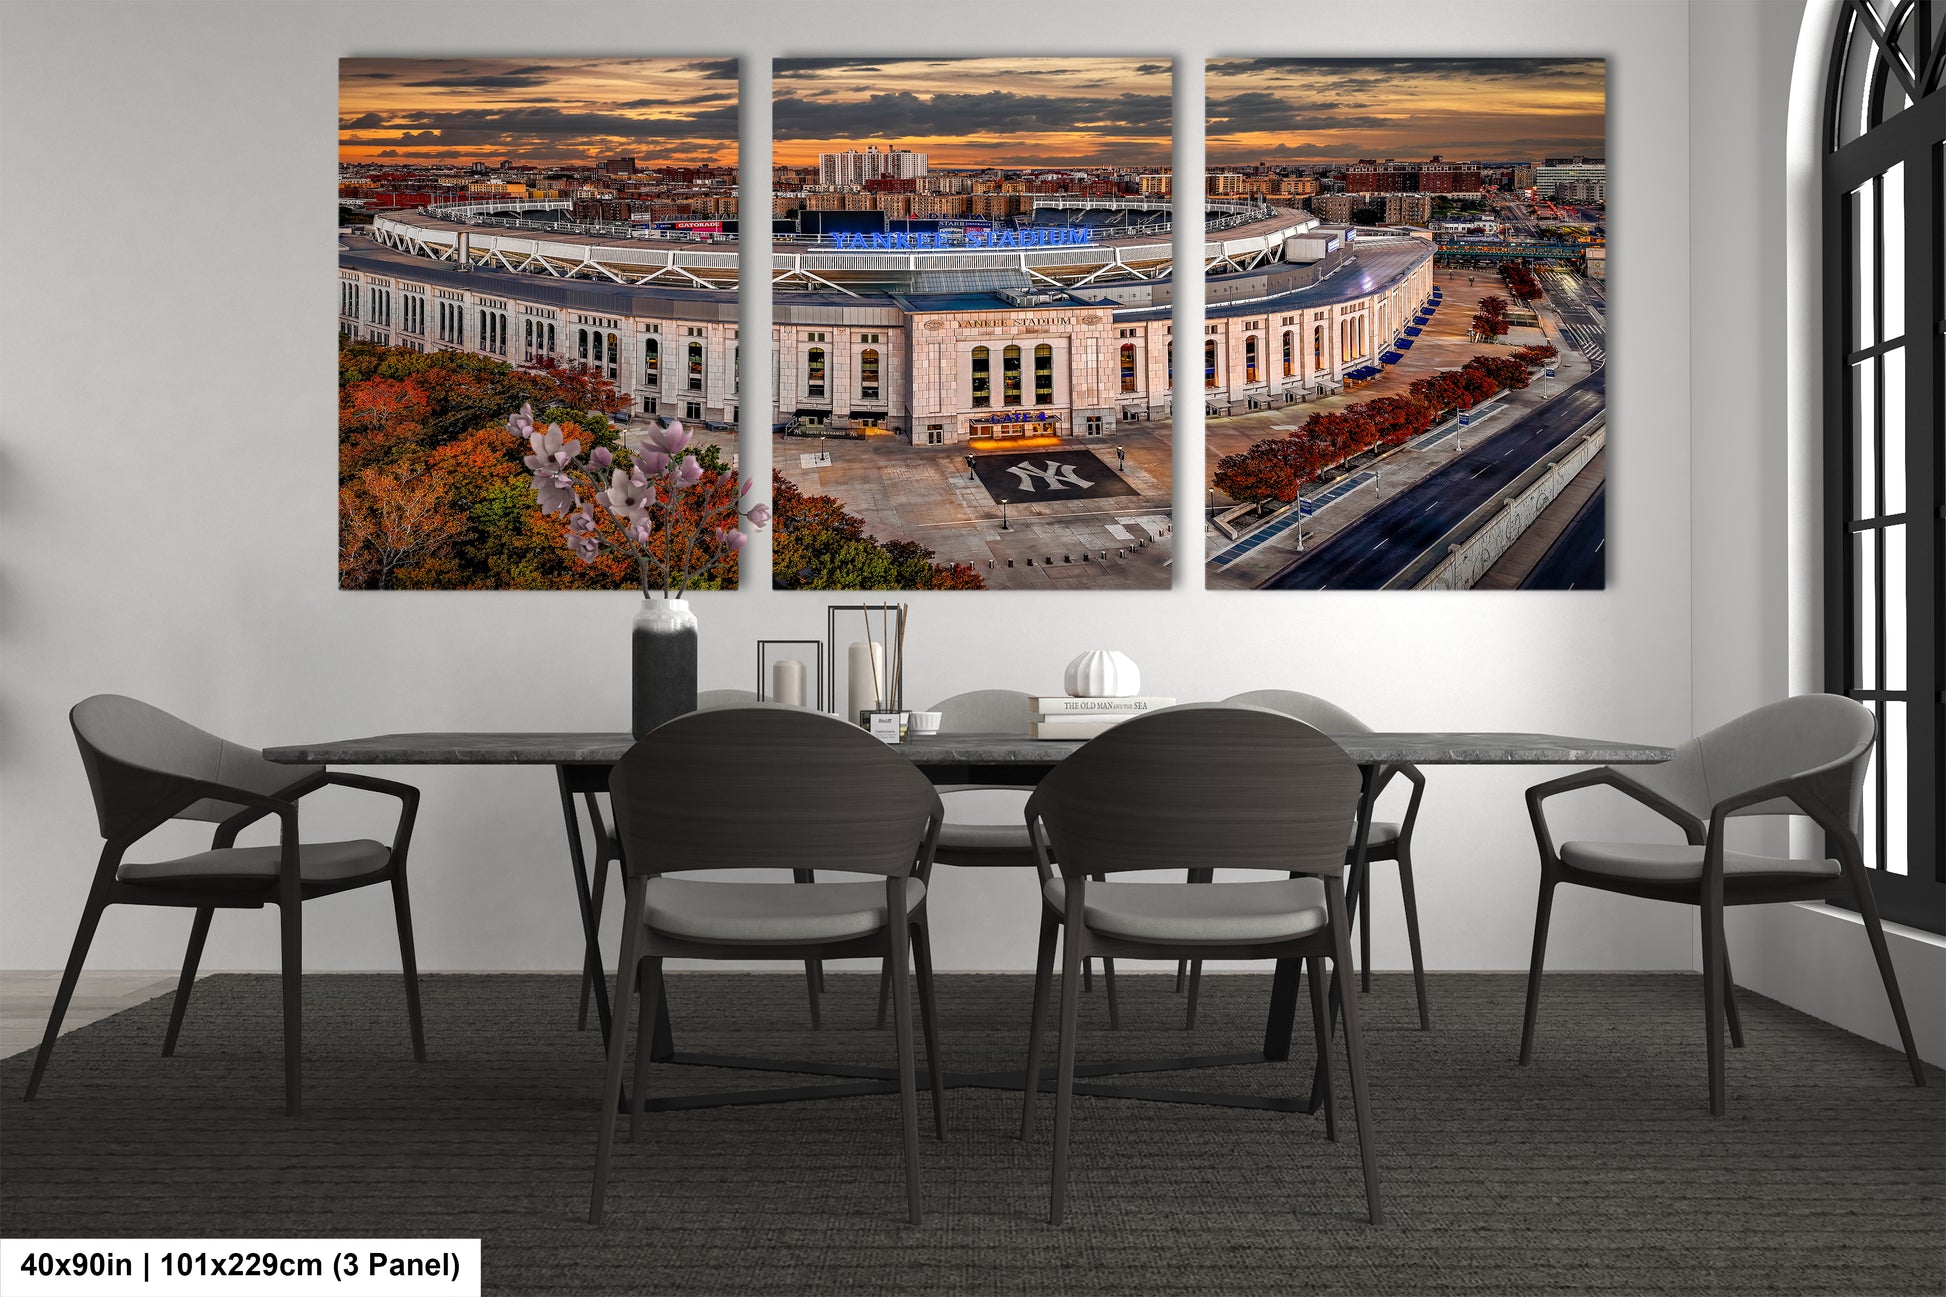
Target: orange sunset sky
{"points": [[544, 110], [973, 112]]}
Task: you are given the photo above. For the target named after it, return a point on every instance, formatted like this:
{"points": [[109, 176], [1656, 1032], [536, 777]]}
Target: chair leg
{"points": [[649, 973], [813, 968], [1365, 927], [198, 933], [1087, 977], [77, 956], [1043, 980], [1361, 1105], [1321, 1025], [1195, 992], [1071, 961], [291, 920], [409, 961], [597, 892], [897, 935], [1730, 1001], [929, 1023], [1412, 935], [884, 990], [1114, 1006], [1868, 911], [611, 1094], [1713, 997], [1544, 907], [1182, 974]]}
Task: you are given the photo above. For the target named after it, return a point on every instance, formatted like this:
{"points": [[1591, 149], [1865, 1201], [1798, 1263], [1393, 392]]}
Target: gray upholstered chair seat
{"points": [[1199, 912], [780, 913], [1659, 862], [318, 862], [983, 837], [1383, 834]]}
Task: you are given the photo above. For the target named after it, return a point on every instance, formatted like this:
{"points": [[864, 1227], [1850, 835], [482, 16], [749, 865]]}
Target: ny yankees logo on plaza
{"points": [[1055, 476]]}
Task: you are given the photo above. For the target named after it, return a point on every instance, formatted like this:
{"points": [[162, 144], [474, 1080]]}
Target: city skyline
{"points": [[1341, 110], [974, 112], [680, 111]]}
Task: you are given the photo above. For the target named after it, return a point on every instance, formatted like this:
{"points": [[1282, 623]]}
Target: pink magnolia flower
{"points": [[521, 422], [601, 457], [586, 548], [748, 482], [690, 473], [553, 452], [639, 532], [629, 497], [759, 514], [730, 538], [556, 493], [671, 440], [651, 461], [583, 520]]}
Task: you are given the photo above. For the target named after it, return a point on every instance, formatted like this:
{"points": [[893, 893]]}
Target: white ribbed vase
{"points": [[1103, 673]]}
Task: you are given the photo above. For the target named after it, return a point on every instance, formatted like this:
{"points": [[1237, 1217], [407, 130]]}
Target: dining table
{"points": [[582, 762]]}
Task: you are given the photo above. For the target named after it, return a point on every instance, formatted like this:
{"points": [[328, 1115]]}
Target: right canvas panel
{"points": [[1404, 361]]}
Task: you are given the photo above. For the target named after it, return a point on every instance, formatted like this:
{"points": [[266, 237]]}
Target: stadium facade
{"points": [[941, 344]]}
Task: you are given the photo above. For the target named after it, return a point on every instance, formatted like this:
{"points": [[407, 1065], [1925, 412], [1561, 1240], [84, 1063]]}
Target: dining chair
{"points": [[1802, 756], [145, 768], [607, 852], [1238, 788], [793, 789], [1387, 840], [993, 846]]}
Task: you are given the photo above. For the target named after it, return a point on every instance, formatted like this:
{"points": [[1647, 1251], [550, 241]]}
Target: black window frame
{"points": [[1875, 59]]}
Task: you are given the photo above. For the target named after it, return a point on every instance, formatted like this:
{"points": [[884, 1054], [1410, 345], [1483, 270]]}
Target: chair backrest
{"points": [[137, 756], [1776, 741], [1201, 785], [1325, 717], [771, 787], [985, 711]]}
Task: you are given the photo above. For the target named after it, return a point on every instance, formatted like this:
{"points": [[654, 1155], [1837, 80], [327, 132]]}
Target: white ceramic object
{"points": [[1103, 673], [865, 676], [926, 722]]}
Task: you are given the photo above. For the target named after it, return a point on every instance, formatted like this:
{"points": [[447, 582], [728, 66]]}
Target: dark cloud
{"points": [[1485, 68], [1146, 68], [363, 121], [713, 69], [902, 114], [781, 69], [524, 78], [1258, 110], [475, 127]]}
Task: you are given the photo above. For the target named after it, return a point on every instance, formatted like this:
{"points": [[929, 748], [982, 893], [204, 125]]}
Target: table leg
{"points": [[1354, 881], [584, 895]]}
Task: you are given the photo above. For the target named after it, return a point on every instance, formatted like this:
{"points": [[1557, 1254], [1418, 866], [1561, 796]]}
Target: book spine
{"points": [[1098, 706], [1072, 729]]}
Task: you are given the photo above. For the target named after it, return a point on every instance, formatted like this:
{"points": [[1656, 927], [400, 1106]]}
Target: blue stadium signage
{"points": [[970, 238]]}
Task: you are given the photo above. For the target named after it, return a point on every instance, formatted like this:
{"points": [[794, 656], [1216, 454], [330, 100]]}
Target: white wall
{"points": [[167, 502]]}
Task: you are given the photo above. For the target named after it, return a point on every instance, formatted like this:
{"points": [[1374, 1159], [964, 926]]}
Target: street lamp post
{"points": [[1003, 515]]}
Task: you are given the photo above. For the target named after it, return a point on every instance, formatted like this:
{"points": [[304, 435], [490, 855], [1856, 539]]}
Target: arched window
{"points": [[1128, 367], [550, 339], [1317, 348], [814, 373], [695, 375], [868, 374], [651, 363], [527, 339], [584, 344], [614, 355], [1209, 362], [1043, 375], [1290, 354], [982, 379], [1250, 359], [1010, 376], [1883, 506]]}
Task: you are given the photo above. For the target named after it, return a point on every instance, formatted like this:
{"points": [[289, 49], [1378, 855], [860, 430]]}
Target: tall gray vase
{"points": [[663, 664]]}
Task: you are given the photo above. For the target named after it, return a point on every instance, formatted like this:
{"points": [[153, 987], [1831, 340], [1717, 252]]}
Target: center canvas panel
{"points": [[971, 314]]}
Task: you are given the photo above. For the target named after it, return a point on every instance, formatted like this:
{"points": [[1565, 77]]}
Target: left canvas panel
{"points": [[551, 234]]}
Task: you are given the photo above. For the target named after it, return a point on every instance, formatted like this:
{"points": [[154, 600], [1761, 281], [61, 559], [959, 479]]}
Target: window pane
{"points": [[1864, 457], [1892, 444], [1864, 564], [1863, 232], [1895, 607], [1892, 218], [1893, 740]]}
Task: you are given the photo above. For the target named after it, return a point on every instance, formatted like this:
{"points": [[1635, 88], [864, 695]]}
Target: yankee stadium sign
{"points": [[971, 238]]}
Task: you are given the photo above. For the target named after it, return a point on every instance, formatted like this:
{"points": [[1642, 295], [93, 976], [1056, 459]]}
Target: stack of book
{"points": [[1083, 718]]}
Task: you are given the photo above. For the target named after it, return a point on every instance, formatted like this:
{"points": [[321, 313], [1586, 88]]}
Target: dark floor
{"points": [[1597, 1169]]}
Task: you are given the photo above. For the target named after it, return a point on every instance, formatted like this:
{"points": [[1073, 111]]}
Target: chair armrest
{"points": [[1801, 790], [1037, 838], [408, 805], [1606, 776], [1414, 777]]}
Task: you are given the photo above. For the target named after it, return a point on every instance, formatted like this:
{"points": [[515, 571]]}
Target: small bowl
{"points": [[924, 723]]}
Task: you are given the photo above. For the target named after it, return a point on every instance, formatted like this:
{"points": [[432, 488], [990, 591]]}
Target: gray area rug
{"points": [[1596, 1170]]}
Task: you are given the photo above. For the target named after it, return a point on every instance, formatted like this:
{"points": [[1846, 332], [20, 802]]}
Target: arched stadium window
{"points": [[583, 344], [651, 363], [550, 339], [1290, 354], [614, 355], [1010, 376], [982, 378], [1250, 359], [527, 339], [1884, 557], [1043, 375], [814, 373], [1128, 367], [1209, 363], [695, 366], [868, 375], [1317, 348]]}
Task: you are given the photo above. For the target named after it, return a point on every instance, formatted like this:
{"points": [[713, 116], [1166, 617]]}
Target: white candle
{"points": [[866, 677], [787, 682]]}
